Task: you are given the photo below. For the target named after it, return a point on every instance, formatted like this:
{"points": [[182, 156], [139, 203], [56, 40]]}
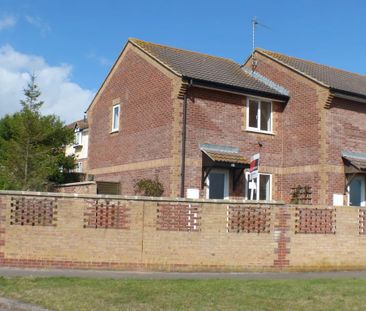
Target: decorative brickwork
{"points": [[315, 220], [106, 215], [165, 243], [281, 230], [248, 219], [362, 221], [178, 217], [33, 211]]}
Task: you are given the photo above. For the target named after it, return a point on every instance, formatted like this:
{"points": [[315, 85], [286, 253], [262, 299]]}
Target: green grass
{"points": [[97, 294]]}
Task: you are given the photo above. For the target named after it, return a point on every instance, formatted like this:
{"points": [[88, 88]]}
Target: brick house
{"points": [[194, 120]]}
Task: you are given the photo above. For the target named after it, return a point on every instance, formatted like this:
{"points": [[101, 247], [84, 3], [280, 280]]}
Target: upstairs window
{"points": [[115, 118], [259, 115], [78, 140]]}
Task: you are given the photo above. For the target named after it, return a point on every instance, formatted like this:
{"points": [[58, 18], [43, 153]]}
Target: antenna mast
{"points": [[254, 26], [255, 23]]}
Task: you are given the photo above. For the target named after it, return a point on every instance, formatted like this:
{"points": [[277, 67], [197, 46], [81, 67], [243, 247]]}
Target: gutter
{"points": [[348, 95], [237, 90], [184, 137]]}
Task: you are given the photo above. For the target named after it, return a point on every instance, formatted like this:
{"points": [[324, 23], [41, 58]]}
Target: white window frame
{"points": [[258, 128], [78, 140], [115, 127], [247, 174]]}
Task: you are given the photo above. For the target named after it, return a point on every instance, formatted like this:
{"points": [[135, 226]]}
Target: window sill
{"points": [[260, 132], [114, 132]]}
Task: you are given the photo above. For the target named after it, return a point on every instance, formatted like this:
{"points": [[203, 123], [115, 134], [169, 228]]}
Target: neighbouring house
{"points": [[193, 121], [79, 148]]}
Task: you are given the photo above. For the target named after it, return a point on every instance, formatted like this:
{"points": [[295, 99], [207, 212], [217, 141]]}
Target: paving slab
{"points": [[102, 274]]}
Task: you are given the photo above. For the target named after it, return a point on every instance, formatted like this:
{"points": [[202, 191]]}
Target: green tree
{"points": [[32, 146]]}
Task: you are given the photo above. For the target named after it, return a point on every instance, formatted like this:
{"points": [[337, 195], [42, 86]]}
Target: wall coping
{"points": [[81, 183], [132, 198]]}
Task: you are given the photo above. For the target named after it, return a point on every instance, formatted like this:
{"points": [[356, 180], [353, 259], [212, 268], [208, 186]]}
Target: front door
{"points": [[218, 184], [357, 191]]}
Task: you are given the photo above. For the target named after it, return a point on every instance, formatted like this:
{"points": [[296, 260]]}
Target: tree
{"points": [[32, 146]]}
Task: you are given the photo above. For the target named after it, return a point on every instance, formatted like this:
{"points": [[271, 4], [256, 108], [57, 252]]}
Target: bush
{"points": [[149, 187]]}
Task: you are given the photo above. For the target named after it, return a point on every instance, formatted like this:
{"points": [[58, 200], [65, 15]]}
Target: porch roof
{"points": [[356, 160], [226, 157]]}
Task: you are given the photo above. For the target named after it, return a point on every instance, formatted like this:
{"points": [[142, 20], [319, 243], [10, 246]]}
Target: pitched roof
{"points": [[81, 124], [203, 67], [337, 79]]}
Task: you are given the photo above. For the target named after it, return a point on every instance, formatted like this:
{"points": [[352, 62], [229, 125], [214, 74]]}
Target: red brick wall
{"points": [[346, 128], [217, 118], [146, 117], [300, 116], [346, 131], [128, 179], [300, 122]]}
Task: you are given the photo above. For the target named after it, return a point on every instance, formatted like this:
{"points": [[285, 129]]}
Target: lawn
{"points": [[102, 295]]}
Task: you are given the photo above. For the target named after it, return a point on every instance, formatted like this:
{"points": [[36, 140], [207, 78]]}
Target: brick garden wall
{"points": [[132, 233]]}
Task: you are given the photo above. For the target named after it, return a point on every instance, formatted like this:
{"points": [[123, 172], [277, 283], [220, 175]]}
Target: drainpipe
{"points": [[184, 135]]}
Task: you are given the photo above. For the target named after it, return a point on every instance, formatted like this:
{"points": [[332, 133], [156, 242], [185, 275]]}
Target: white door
{"points": [[218, 184], [356, 191]]}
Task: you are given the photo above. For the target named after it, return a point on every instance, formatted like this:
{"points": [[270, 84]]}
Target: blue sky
{"points": [[75, 42]]}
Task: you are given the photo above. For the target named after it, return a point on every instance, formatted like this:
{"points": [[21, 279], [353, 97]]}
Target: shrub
{"points": [[149, 187]]}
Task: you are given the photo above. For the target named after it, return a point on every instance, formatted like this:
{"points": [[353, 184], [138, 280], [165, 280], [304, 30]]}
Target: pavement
{"points": [[13, 305], [107, 274]]}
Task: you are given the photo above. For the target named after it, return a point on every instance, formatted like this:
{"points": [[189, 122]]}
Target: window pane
{"points": [[265, 116], [253, 114], [78, 138], [264, 187], [115, 117]]}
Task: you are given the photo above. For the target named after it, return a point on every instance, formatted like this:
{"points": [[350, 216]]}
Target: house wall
{"points": [[346, 131], [183, 235], [304, 130], [145, 145], [219, 118]]}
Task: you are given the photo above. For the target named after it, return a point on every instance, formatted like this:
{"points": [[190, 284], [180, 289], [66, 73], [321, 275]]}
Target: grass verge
{"points": [[105, 294]]}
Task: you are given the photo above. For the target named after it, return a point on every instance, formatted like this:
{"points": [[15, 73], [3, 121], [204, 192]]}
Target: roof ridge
{"points": [[135, 40], [311, 62]]}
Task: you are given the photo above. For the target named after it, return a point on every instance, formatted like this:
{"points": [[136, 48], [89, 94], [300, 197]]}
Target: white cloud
{"points": [[35, 21], [61, 96], [7, 22]]}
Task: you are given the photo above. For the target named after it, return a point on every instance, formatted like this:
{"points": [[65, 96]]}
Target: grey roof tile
{"points": [[205, 67], [332, 77]]}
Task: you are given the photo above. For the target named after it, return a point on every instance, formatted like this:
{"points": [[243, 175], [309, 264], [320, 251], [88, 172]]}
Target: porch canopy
{"points": [[354, 162], [224, 157]]}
